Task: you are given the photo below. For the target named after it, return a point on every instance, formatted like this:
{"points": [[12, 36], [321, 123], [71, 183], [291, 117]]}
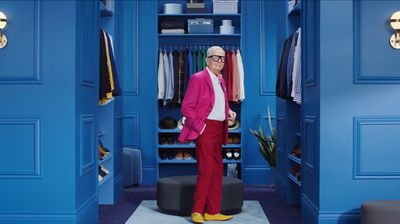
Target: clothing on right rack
{"points": [[288, 81], [176, 66]]}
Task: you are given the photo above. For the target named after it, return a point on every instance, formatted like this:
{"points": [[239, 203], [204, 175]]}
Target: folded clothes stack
{"points": [[172, 26]]}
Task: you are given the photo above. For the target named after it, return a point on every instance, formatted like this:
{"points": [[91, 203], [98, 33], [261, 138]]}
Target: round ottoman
{"points": [[380, 212], [175, 195]]}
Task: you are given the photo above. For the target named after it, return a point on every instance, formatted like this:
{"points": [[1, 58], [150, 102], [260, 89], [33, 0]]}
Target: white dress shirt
{"points": [[218, 111]]}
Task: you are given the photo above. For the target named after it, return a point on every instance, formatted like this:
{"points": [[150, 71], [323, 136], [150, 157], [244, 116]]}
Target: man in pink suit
{"points": [[206, 111]]}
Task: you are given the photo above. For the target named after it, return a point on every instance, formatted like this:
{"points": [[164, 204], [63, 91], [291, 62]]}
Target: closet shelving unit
{"points": [[294, 21], [290, 133], [105, 115], [173, 166]]}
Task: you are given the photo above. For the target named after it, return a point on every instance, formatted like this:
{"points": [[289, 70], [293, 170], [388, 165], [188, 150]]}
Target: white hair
{"points": [[213, 49]]}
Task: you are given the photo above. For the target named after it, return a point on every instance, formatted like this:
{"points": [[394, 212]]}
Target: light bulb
{"points": [[3, 20], [395, 20]]}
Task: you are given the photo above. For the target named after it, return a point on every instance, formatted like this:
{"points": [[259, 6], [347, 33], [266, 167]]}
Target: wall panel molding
{"points": [[131, 126], [29, 40], [130, 45], [267, 81], [86, 44], [86, 143], [369, 66], [310, 137], [375, 147], [280, 127], [21, 148]]}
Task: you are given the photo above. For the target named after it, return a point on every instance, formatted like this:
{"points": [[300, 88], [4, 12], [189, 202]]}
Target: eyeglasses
{"points": [[217, 58]]}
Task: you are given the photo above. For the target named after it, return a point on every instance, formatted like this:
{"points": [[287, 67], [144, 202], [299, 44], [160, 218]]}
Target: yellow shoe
{"points": [[216, 217], [197, 217]]}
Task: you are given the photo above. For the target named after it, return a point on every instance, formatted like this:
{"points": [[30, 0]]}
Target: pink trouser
{"points": [[207, 197]]}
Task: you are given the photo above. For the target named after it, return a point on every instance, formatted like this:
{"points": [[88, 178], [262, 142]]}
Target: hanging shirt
{"points": [[228, 64], [290, 64], [296, 78], [171, 74], [241, 75], [235, 79], [167, 77], [161, 84], [218, 110]]}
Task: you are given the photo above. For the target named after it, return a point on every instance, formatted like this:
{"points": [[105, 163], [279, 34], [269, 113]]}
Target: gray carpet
{"points": [[148, 213]]}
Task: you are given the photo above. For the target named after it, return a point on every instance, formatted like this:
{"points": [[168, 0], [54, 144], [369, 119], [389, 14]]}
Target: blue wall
{"points": [[48, 170], [357, 117], [139, 64]]}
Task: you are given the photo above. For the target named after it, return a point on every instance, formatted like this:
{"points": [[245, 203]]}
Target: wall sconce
{"points": [[3, 23], [395, 23]]}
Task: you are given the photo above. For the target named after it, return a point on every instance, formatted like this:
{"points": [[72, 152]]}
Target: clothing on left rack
{"points": [[109, 83]]}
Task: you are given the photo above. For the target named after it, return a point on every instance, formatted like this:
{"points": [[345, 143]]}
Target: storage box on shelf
{"points": [[225, 6]]}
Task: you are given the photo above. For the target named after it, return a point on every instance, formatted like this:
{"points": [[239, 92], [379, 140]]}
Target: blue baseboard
{"points": [[88, 213], [310, 214]]}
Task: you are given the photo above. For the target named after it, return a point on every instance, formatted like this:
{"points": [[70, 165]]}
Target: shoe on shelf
{"points": [[103, 148], [162, 140], [163, 155], [197, 218], [236, 139], [170, 140], [228, 154], [230, 139], [179, 154], [217, 217], [236, 154], [171, 154], [186, 154]]}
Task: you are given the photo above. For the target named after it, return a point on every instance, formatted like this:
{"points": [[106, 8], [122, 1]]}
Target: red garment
{"points": [[235, 79], [208, 194]]}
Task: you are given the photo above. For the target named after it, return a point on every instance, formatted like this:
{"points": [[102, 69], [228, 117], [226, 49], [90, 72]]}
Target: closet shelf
{"points": [[294, 159], [105, 179], [199, 35], [293, 178], [177, 130], [180, 161], [198, 15], [105, 159], [192, 145]]}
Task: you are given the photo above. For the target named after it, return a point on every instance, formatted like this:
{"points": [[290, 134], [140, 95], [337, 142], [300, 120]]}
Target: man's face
{"points": [[216, 61]]}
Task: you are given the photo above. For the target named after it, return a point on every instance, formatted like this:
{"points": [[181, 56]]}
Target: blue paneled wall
{"points": [[47, 121], [351, 85]]}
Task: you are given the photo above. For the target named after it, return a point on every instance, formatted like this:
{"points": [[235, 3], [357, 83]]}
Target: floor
{"points": [[276, 210]]}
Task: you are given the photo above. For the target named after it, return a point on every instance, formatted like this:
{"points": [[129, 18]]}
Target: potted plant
{"points": [[267, 143]]}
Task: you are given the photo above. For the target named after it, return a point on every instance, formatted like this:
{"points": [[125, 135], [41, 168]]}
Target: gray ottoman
{"points": [[132, 166], [380, 212], [175, 195]]}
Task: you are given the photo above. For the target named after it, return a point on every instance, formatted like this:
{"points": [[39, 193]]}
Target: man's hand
{"points": [[232, 115]]}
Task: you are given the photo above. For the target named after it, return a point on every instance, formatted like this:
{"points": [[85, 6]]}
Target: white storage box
{"points": [[172, 8], [225, 6], [200, 26]]}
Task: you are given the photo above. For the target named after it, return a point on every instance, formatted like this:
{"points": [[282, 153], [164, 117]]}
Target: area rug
{"points": [[148, 213]]}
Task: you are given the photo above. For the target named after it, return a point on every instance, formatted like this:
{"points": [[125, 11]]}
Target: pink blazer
{"points": [[197, 105]]}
